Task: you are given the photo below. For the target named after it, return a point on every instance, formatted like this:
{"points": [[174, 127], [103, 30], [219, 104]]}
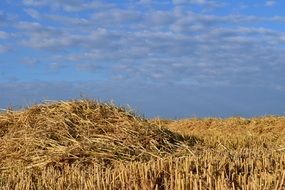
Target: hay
{"points": [[82, 132]]}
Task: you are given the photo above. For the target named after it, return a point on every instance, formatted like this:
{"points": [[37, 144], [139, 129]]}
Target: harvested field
{"points": [[86, 144]]}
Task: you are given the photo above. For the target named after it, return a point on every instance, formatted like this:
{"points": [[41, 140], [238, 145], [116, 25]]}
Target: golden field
{"points": [[85, 144]]}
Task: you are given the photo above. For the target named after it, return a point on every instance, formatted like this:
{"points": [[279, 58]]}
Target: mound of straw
{"points": [[82, 132]]}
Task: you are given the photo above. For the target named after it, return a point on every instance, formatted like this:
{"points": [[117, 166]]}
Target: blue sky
{"points": [[179, 58]]}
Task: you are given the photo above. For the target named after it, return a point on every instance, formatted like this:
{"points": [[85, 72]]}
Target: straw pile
{"points": [[82, 132]]}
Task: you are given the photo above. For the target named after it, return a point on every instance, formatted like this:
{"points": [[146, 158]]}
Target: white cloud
{"points": [[153, 45], [200, 2], [145, 1], [270, 3], [6, 18], [179, 1], [134, 43], [30, 61], [197, 2], [206, 3], [90, 67], [33, 13], [3, 35], [116, 16], [68, 20], [54, 66], [4, 48], [68, 5], [35, 2], [29, 26]]}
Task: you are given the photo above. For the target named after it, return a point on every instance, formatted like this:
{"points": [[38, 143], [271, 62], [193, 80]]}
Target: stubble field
{"points": [[85, 144]]}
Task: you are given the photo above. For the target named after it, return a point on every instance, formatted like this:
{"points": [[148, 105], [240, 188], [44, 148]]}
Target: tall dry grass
{"points": [[91, 145]]}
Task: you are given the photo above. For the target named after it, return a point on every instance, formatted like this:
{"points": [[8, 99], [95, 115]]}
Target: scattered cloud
{"points": [[159, 46], [3, 35], [270, 3], [55, 67], [4, 48], [33, 13], [30, 61], [35, 2], [208, 52], [206, 3], [68, 5], [89, 67], [175, 43], [6, 19], [145, 1], [199, 2]]}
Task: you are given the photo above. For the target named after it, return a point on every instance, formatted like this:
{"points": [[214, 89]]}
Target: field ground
{"points": [[85, 144]]}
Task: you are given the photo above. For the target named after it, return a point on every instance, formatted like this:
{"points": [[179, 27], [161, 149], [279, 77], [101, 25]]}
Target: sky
{"points": [[163, 58]]}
